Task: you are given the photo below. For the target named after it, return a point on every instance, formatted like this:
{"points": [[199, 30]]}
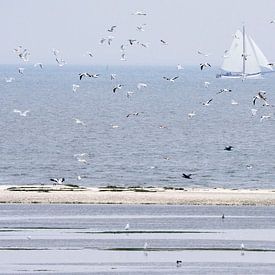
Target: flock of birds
{"points": [[24, 55]]}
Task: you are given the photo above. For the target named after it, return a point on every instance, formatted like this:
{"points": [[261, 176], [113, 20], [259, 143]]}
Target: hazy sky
{"points": [[76, 26]]}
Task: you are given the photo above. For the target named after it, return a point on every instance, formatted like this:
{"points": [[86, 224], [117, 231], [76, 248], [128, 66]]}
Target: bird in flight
{"points": [[112, 29], [207, 103], [81, 75], [204, 65], [228, 148], [119, 86], [38, 64], [260, 95], [75, 87], [170, 79], [186, 176], [141, 85], [206, 84], [224, 91], [134, 114], [204, 54], [265, 117], [140, 28], [113, 76], [179, 67], [21, 113], [57, 181], [139, 13], [9, 79], [78, 121], [192, 114], [21, 70], [61, 62]]}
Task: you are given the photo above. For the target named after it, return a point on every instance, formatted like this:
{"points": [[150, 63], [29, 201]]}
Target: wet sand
{"points": [[135, 195]]}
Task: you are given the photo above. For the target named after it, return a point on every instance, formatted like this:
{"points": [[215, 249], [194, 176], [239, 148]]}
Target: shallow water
{"points": [[138, 152], [86, 239]]}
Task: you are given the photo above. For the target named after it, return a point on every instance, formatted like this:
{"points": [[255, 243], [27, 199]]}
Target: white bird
{"points": [[204, 65], [119, 86], [123, 57], [61, 62], [80, 155], [113, 76], [81, 160], [242, 248], [234, 102], [141, 85], [57, 180], [21, 113], [114, 126], [122, 48], [79, 177], [110, 39], [145, 246], [172, 79], [179, 67], [78, 121], [75, 87], [112, 29], [21, 70], [139, 13], [192, 114], [265, 117], [204, 54], [38, 64], [140, 28], [56, 52], [81, 75], [206, 84], [127, 226], [129, 93], [207, 103], [254, 112], [9, 79]]}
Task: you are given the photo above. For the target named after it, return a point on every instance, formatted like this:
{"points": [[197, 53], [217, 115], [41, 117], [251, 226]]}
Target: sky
{"points": [[76, 27]]}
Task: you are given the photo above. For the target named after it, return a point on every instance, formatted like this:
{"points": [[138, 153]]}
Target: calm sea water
{"points": [[139, 151], [91, 239]]}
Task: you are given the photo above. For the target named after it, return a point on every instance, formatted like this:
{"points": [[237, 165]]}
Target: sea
{"points": [[135, 137]]}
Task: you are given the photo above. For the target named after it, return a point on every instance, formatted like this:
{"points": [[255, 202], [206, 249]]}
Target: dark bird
{"points": [[84, 74], [132, 41], [163, 42], [260, 95], [223, 216], [59, 181], [204, 65], [133, 114], [112, 29], [179, 263], [186, 176], [228, 148], [207, 103]]}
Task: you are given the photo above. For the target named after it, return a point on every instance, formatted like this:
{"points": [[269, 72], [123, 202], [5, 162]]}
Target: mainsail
{"points": [[244, 58]]}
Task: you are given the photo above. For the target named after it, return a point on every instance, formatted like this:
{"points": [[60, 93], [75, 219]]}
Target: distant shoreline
{"points": [[73, 194]]}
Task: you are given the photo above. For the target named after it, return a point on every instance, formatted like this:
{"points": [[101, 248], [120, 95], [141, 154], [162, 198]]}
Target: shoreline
{"points": [[73, 194]]}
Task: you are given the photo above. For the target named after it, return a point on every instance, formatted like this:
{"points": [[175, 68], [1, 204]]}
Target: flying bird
{"points": [[123, 57], [192, 114], [186, 176], [228, 148], [61, 62], [141, 85], [170, 79], [21, 113], [75, 87], [21, 70], [265, 117], [179, 67], [224, 90], [204, 54], [112, 29], [206, 84], [58, 181], [204, 65], [119, 86], [134, 114], [78, 121], [81, 75], [207, 103], [163, 42], [132, 41], [9, 79], [140, 28], [260, 95], [113, 76], [38, 64], [139, 13]]}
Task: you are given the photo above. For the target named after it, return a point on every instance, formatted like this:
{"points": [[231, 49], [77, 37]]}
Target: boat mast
{"points": [[244, 54]]}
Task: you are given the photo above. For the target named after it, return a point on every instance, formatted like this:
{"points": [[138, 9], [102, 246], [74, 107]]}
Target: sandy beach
{"points": [[135, 195]]}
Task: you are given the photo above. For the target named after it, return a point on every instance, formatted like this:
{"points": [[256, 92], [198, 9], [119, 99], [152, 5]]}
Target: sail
{"points": [[233, 59], [262, 60], [244, 58]]}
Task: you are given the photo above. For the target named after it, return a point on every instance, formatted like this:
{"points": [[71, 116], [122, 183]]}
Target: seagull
{"points": [[113, 76], [81, 160], [110, 39], [228, 148], [254, 112], [134, 114], [224, 90], [132, 41], [204, 54], [145, 246], [234, 102], [129, 93], [84, 74], [9, 79], [61, 62], [127, 226], [265, 117], [144, 45], [21, 70], [202, 65], [122, 48], [141, 85], [272, 22], [90, 54], [207, 103], [163, 42], [123, 57], [112, 29], [20, 112], [140, 28], [179, 67], [80, 155], [206, 84], [170, 79], [95, 75], [114, 126], [56, 52], [24, 55], [38, 64], [186, 176], [260, 95], [102, 40], [58, 181], [119, 86], [78, 121], [139, 13], [75, 87], [192, 114]]}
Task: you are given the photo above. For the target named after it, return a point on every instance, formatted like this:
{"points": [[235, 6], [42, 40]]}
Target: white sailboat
{"points": [[244, 59]]}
